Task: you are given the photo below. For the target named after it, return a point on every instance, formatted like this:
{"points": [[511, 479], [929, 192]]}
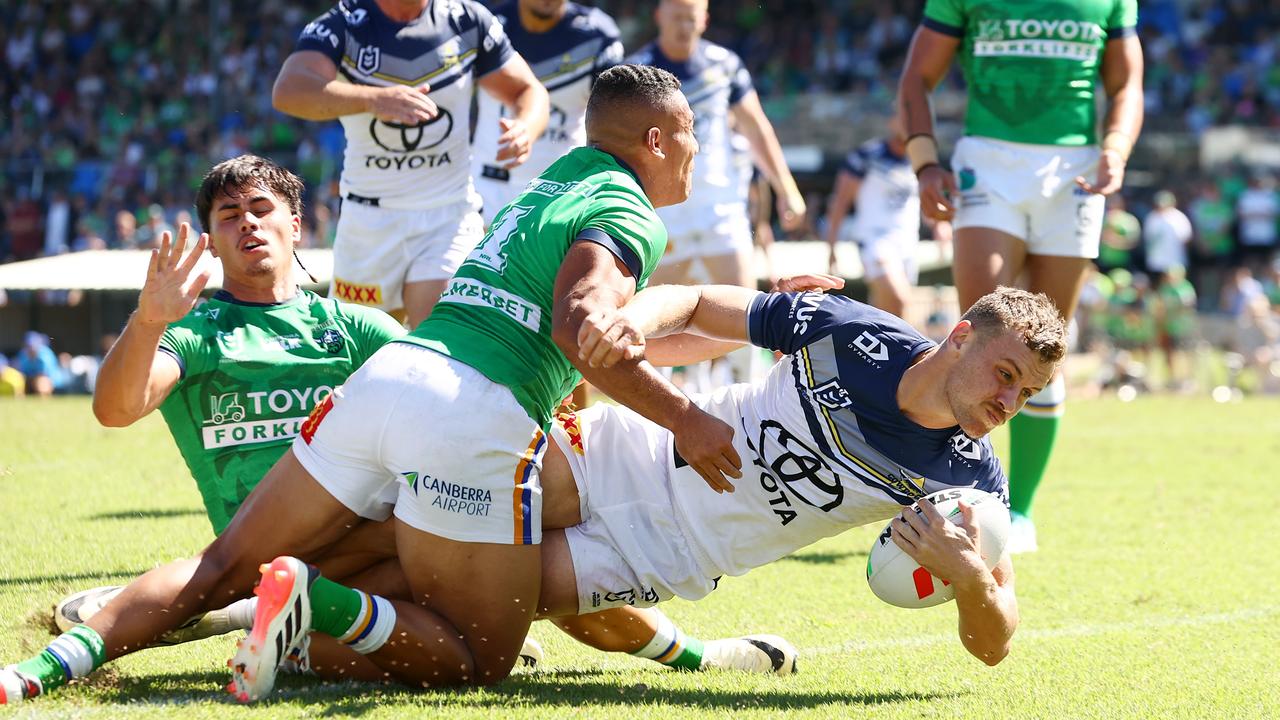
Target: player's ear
{"points": [[960, 334], [653, 142], [296, 223]]}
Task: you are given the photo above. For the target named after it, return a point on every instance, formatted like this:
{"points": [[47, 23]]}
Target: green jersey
{"points": [[250, 374], [1031, 67], [495, 314]]}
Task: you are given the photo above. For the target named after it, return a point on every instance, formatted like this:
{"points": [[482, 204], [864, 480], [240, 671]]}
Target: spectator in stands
{"points": [[11, 381], [126, 230], [1241, 290], [153, 228], [1176, 316], [1120, 236], [1212, 223], [57, 224], [1166, 232], [38, 364], [1258, 209]]}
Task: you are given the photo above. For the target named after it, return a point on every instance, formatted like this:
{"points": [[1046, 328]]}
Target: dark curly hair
{"points": [[241, 173]]}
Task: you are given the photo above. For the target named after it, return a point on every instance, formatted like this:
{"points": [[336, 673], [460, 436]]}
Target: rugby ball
{"points": [[898, 580]]}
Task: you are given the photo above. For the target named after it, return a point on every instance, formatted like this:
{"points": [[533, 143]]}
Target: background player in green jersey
{"points": [[462, 626], [1029, 175]]}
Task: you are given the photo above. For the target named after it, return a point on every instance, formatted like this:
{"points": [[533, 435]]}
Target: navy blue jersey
{"points": [[888, 203], [847, 360], [566, 59], [448, 46], [823, 444]]}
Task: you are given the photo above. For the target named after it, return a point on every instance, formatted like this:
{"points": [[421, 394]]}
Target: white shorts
{"points": [[888, 252], [378, 250], [630, 548], [465, 456], [696, 232], [1029, 191]]}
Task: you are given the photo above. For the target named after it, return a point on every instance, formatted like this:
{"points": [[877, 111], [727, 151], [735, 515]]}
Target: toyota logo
{"points": [[397, 138]]}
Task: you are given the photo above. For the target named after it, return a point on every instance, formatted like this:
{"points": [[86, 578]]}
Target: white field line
{"points": [[1068, 631]]}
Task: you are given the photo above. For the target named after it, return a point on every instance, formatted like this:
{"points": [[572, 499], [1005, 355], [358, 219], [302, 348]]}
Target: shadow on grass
{"points": [[147, 514], [825, 558], [125, 575], [568, 688]]}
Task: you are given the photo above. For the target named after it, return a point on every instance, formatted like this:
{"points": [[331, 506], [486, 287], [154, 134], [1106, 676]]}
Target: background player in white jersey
{"points": [[567, 46], [1029, 176], [862, 417], [877, 179], [713, 225], [399, 74]]}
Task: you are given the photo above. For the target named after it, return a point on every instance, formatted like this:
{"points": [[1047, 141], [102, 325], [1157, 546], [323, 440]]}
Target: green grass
{"points": [[1154, 594]]}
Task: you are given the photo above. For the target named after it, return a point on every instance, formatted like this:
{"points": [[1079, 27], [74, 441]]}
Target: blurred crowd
{"points": [[113, 110]]}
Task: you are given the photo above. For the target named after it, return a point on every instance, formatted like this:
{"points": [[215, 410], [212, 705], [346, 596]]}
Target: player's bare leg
{"points": [[287, 512], [647, 632], [491, 610], [984, 259], [420, 297], [890, 291]]}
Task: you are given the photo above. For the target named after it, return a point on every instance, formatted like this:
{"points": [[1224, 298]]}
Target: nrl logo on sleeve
{"points": [[831, 396], [966, 447]]}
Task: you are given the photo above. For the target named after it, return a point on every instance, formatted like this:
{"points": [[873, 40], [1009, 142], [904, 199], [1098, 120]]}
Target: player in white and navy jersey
{"points": [[567, 45], [401, 83], [877, 180], [713, 224], [862, 417]]}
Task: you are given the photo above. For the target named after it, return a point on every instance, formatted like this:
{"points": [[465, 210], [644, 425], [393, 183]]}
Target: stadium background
{"points": [[113, 110]]}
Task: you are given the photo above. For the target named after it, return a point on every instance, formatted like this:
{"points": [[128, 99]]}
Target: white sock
{"points": [[240, 613]]}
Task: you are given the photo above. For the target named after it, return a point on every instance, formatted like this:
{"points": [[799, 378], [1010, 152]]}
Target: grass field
{"points": [[1154, 594]]}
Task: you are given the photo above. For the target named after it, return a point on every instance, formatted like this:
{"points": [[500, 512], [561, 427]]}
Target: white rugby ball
{"points": [[898, 580]]}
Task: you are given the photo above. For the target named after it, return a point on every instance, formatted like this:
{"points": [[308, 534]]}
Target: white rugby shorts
{"points": [[889, 251], [1029, 191], [705, 231], [377, 250], [464, 456], [629, 548]]}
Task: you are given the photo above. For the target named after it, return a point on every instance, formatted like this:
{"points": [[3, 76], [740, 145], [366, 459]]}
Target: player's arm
{"points": [[308, 88], [1122, 80], [136, 376], [985, 601], [750, 120], [515, 86], [842, 200], [592, 285], [928, 60]]}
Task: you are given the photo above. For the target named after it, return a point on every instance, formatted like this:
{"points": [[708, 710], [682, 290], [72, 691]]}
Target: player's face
{"points": [[544, 9], [682, 21], [992, 380], [253, 232], [684, 146]]}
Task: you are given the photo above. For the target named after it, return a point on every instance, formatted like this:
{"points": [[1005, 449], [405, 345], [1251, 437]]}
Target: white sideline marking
{"points": [[1083, 630]]}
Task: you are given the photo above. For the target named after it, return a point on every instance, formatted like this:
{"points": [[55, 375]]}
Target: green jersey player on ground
{"points": [[462, 450], [1029, 178]]}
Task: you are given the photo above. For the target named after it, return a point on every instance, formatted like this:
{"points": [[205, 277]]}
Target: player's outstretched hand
{"points": [[807, 282], [937, 191], [1110, 174], [170, 291], [607, 337], [947, 550], [514, 142], [791, 210], [706, 443], [404, 105]]}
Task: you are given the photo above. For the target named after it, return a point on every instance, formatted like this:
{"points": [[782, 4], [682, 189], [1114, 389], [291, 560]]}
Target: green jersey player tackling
{"points": [[1029, 177], [460, 443]]}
